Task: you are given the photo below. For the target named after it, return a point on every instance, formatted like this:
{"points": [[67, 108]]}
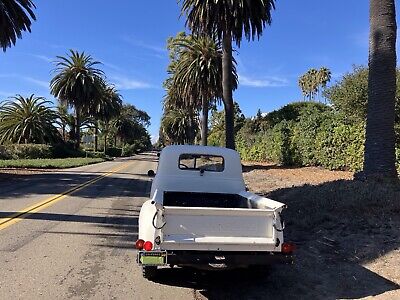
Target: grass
{"points": [[58, 163]]}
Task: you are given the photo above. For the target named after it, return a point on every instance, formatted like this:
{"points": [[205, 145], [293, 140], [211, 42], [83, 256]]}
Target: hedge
{"points": [[315, 139], [39, 151], [25, 151]]}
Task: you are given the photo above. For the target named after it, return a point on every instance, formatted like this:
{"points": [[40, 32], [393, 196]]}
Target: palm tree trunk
{"points": [[96, 135], [105, 136], [379, 156], [63, 133], [204, 121], [77, 128], [227, 90]]}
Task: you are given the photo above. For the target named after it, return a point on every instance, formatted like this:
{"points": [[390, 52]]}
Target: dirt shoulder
{"points": [[266, 177], [347, 232]]}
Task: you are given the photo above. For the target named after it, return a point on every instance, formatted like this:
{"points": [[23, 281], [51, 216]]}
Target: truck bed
{"points": [[215, 222], [193, 199]]}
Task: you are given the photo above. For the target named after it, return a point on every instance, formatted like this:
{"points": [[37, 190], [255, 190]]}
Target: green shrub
{"points": [[64, 150], [273, 146], [114, 152], [315, 139], [340, 146], [129, 150], [95, 154], [25, 151], [294, 111]]}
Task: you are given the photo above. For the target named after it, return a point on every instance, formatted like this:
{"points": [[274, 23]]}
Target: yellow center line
{"points": [[18, 216]]}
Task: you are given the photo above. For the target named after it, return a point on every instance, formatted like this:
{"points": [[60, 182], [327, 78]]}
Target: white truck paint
{"points": [[198, 212]]}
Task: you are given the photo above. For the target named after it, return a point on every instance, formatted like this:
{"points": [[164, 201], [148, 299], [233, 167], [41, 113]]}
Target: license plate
{"points": [[153, 258]]}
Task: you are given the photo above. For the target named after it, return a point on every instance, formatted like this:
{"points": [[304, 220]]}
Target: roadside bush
{"points": [[274, 145], [315, 139], [25, 151], [294, 111], [129, 150], [340, 146], [114, 152], [4, 153], [304, 134], [65, 150], [95, 154]]}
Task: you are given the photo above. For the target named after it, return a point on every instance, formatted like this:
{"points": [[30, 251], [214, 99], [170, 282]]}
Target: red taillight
{"points": [[148, 246], [139, 244], [288, 248]]}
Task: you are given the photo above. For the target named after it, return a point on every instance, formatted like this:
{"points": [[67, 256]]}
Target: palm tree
{"points": [[313, 81], [198, 75], [228, 19], [180, 125], [64, 119], [105, 108], [27, 120], [15, 17], [77, 82], [379, 156]]}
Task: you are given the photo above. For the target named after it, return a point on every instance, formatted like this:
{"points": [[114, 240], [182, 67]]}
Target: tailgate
{"points": [[218, 229]]}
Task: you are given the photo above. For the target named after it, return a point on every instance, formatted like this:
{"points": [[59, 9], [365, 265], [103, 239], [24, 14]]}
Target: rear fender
{"points": [[147, 231]]}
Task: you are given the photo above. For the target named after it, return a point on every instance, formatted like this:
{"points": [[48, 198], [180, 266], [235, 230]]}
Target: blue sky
{"points": [[129, 38]]}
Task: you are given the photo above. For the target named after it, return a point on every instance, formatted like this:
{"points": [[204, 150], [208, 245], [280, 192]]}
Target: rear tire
{"points": [[149, 272]]}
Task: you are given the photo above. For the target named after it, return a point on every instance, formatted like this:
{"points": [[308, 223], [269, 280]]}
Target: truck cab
{"points": [[200, 215]]}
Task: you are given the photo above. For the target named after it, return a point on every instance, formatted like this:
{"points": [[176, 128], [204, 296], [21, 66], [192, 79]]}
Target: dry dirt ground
{"points": [[347, 233]]}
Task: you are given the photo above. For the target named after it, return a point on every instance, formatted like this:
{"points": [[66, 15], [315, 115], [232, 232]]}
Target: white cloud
{"points": [[111, 66], [135, 42], [266, 81], [41, 83], [125, 83], [43, 57]]}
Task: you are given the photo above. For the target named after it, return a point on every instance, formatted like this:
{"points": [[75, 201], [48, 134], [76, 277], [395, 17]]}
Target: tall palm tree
{"points": [[105, 108], [27, 120], [15, 16], [228, 19], [379, 157], [77, 82], [198, 74]]}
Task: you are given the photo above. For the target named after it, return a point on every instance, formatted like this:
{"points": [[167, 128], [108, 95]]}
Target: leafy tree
{"points": [[129, 124], [379, 156], [27, 120], [228, 20], [217, 132], [15, 17], [77, 82], [349, 96]]}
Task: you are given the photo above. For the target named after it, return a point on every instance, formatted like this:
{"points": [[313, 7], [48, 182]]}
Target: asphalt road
{"points": [[79, 245]]}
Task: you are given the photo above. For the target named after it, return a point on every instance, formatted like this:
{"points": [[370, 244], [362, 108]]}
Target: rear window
{"points": [[211, 163]]}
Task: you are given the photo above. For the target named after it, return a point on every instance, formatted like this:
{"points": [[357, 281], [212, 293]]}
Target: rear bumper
{"points": [[227, 258]]}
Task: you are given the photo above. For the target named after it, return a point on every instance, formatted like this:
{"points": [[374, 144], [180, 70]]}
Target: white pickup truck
{"points": [[201, 215]]}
